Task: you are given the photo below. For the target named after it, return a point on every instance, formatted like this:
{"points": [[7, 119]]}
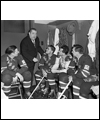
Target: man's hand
{"points": [[35, 60], [15, 79], [20, 77], [95, 89], [44, 73], [2, 84], [70, 78], [63, 70]]}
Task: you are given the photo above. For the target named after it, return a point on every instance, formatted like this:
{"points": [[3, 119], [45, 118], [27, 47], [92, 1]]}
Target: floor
{"points": [[39, 95]]}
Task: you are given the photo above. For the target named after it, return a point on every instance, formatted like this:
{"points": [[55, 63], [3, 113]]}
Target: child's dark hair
{"points": [[10, 49], [65, 49], [52, 47], [78, 48]]}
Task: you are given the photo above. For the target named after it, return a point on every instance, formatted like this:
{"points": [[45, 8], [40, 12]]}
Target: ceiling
{"points": [[58, 22], [52, 22], [44, 21]]}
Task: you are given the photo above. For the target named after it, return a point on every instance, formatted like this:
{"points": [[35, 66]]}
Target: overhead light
{"points": [[43, 21]]}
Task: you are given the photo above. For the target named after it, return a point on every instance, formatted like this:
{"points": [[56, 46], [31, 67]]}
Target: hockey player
{"points": [[65, 67], [46, 63], [84, 77], [13, 68]]}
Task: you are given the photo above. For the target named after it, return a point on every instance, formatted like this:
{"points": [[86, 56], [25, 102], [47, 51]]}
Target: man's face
{"points": [[33, 35], [15, 53], [48, 50], [61, 52], [74, 52]]}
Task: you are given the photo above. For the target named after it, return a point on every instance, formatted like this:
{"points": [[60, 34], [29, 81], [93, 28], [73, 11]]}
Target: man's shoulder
{"points": [[54, 57], [37, 40], [20, 57], [25, 39], [86, 56]]}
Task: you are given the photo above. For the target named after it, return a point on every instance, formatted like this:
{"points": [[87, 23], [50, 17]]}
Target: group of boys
{"points": [[57, 70]]}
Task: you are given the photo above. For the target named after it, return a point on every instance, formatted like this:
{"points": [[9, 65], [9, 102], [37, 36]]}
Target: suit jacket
{"points": [[29, 50]]}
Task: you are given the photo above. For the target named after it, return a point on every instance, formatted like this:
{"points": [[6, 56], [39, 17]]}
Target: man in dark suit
{"points": [[29, 48]]}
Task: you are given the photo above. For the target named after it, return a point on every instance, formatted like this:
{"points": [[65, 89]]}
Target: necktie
{"points": [[33, 42]]}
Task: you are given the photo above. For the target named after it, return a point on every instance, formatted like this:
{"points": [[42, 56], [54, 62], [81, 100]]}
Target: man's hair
{"points": [[78, 48], [52, 48], [10, 49], [31, 29], [65, 49]]}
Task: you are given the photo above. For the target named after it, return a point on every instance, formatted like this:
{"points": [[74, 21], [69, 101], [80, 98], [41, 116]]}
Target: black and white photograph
{"points": [[49, 54]]}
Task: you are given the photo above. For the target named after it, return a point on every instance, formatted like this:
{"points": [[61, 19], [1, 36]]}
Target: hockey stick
{"points": [[65, 89], [36, 88]]}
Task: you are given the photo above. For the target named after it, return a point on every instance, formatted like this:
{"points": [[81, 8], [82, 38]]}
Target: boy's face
{"points": [[74, 52], [61, 52], [48, 50], [15, 53]]}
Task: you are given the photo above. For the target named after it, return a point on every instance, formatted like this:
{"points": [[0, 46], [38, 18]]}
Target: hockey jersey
{"points": [[84, 66], [12, 66], [46, 63]]}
